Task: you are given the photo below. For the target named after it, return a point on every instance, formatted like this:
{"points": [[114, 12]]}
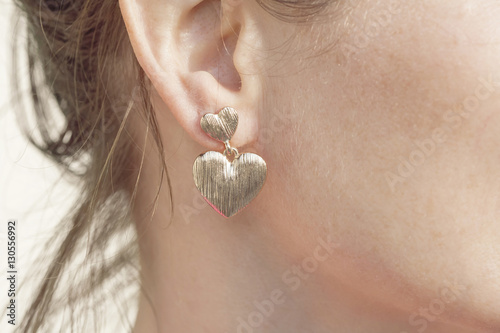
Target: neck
{"points": [[228, 276], [204, 273]]}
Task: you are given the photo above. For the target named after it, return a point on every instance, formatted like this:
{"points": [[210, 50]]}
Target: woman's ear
{"points": [[199, 56]]}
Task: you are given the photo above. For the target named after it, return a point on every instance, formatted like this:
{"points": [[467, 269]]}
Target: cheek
{"points": [[420, 103], [392, 144]]}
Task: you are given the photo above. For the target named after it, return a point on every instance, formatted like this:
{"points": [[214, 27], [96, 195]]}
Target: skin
{"points": [[381, 207]]}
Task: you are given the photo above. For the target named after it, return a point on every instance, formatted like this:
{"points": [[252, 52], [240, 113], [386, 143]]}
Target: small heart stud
{"points": [[220, 126]]}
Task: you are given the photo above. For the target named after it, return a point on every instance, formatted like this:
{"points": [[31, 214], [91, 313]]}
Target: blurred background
{"points": [[31, 190]]}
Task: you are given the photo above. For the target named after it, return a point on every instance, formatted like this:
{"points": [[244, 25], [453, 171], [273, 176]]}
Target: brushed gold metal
{"points": [[227, 185], [220, 126]]}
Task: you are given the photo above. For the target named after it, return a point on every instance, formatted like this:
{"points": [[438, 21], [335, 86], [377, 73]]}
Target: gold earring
{"points": [[227, 185]]}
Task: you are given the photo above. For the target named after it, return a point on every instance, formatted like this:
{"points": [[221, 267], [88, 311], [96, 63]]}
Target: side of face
{"points": [[380, 126]]}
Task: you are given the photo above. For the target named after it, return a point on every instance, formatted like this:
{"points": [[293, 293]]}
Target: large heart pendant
{"points": [[227, 185]]}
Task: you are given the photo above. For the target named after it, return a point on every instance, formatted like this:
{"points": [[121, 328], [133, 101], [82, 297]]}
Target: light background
{"points": [[30, 190]]}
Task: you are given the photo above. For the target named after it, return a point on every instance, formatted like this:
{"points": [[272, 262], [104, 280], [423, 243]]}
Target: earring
{"points": [[227, 181]]}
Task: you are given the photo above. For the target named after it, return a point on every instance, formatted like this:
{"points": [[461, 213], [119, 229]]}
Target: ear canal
{"points": [[213, 43]]}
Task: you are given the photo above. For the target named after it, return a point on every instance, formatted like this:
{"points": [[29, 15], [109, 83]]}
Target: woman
{"points": [[378, 124]]}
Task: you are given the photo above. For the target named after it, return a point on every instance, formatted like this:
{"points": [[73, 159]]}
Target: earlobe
{"points": [[193, 53]]}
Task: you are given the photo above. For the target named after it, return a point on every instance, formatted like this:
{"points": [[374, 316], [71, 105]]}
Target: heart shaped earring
{"points": [[227, 185]]}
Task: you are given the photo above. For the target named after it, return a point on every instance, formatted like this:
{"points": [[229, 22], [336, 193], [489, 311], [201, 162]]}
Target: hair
{"points": [[76, 51]]}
